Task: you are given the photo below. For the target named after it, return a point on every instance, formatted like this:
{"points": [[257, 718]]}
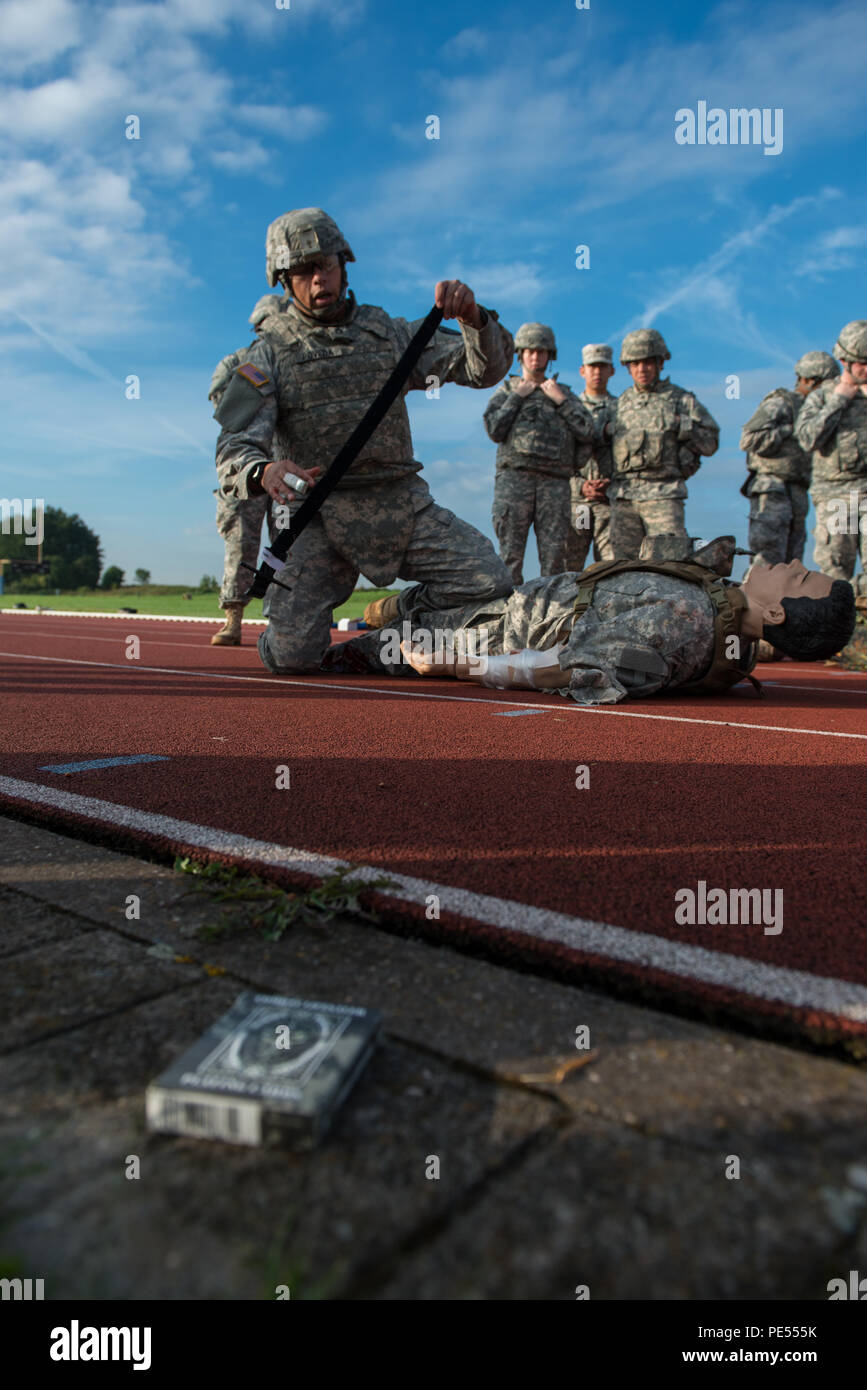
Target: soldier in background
{"points": [[833, 424], [239, 523], [778, 466], [536, 423], [591, 510], [660, 435], [320, 361]]}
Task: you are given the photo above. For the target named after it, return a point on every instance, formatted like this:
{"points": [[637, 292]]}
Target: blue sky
{"points": [[557, 129]]}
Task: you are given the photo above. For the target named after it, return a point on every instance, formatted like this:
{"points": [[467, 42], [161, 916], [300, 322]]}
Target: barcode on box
{"points": [[205, 1118]]}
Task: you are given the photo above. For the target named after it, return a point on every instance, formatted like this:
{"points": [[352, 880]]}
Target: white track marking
{"points": [[148, 617], [133, 668], [195, 646], [796, 988]]}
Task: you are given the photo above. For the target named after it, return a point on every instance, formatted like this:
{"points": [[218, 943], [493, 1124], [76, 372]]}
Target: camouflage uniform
{"points": [[304, 386], [592, 520], [834, 427], [779, 468], [240, 523], [659, 438], [642, 633], [535, 461], [779, 477]]}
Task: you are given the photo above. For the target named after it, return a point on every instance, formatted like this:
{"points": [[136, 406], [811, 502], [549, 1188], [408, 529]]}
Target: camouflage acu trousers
{"points": [[523, 498], [591, 521], [841, 529], [634, 518], [240, 525], [452, 563], [778, 530]]}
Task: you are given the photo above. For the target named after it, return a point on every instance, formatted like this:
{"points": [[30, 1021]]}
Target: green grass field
{"points": [[166, 604]]}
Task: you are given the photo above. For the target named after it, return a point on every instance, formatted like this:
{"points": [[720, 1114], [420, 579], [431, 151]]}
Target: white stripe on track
{"points": [[148, 617], [133, 668], [797, 988]]}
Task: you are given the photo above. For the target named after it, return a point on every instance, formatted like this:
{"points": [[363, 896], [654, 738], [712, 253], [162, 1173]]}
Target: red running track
{"points": [[468, 799]]}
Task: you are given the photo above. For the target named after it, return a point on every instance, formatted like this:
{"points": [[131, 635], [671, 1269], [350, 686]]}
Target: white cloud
{"points": [[466, 44], [33, 33]]}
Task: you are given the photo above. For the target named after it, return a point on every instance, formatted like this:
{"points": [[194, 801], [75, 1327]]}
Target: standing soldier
{"points": [[535, 422], [239, 523], [660, 434], [591, 510], [319, 363], [833, 424], [779, 467]]}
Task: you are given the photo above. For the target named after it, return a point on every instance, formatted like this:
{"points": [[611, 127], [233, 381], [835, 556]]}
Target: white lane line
{"points": [[134, 668], [148, 617], [797, 988]]}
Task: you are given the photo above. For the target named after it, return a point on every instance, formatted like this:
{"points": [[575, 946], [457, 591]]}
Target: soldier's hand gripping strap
{"points": [[345, 456]]}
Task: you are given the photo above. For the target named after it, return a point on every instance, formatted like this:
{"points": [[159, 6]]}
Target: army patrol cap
{"points": [[536, 335], [593, 353], [644, 342], [816, 366], [300, 236], [851, 346]]}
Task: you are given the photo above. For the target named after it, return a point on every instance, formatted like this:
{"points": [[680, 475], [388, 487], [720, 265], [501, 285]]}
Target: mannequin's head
{"points": [[801, 612]]}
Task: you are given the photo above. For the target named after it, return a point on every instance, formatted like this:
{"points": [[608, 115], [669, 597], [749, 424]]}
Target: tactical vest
{"points": [[791, 464], [845, 453], [328, 375], [729, 604], [649, 431], [538, 438]]}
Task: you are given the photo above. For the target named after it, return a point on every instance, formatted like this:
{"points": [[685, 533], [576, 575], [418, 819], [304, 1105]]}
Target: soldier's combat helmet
{"points": [[643, 342], [301, 236], [536, 335], [851, 345], [816, 366]]}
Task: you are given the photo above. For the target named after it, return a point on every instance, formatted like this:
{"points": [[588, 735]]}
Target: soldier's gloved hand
{"points": [[523, 387], [457, 301], [553, 391], [272, 479]]}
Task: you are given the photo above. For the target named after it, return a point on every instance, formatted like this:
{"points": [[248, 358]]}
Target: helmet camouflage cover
{"points": [[536, 335], [643, 342], [301, 236], [851, 346], [816, 366]]}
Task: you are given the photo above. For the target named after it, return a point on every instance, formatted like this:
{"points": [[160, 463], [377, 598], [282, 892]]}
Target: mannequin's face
{"points": [[766, 585]]}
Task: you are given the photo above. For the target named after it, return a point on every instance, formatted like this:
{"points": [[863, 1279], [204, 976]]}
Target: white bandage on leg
{"points": [[516, 671]]}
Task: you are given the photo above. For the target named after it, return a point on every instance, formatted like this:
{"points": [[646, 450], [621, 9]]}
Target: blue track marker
{"points": [[513, 713], [104, 762]]}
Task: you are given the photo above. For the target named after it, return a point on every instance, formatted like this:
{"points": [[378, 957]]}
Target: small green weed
{"points": [[252, 902]]}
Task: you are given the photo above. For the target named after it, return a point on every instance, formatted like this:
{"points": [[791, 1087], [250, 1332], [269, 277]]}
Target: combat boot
{"points": [[230, 634], [382, 611]]}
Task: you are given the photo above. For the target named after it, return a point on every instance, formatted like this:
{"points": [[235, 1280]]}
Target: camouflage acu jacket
{"points": [[769, 439], [593, 456], [659, 438], [642, 633], [835, 428], [303, 387], [533, 432]]}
